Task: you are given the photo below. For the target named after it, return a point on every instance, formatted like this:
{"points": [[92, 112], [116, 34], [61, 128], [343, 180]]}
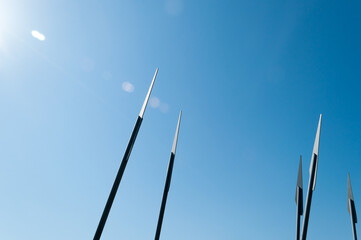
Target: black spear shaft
{"points": [[165, 196], [123, 164], [351, 208], [353, 228], [298, 221], [308, 202], [299, 199], [167, 182], [312, 181]]}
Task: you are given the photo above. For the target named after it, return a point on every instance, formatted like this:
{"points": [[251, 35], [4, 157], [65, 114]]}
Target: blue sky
{"points": [[251, 78]]}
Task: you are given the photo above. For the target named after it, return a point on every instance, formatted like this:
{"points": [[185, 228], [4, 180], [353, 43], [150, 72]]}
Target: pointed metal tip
{"points": [[317, 139], [299, 178], [174, 147], [316, 147], [299, 189], [350, 202], [148, 95], [349, 188]]}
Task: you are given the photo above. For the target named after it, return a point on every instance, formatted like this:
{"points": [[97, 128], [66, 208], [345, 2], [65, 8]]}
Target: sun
{"points": [[10, 18]]}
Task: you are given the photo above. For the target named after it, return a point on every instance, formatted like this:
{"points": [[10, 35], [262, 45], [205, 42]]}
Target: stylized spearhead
{"points": [[350, 202], [315, 152], [167, 181], [123, 165], [299, 179], [174, 147], [148, 95], [299, 189], [312, 181]]}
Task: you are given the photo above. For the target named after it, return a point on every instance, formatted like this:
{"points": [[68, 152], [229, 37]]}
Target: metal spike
{"points": [[174, 147], [312, 180], [123, 165], [349, 188], [315, 152], [141, 113], [299, 178], [168, 180], [351, 207], [299, 189], [299, 199], [350, 200]]}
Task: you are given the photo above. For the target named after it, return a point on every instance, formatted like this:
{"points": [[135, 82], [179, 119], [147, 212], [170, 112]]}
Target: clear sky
{"points": [[251, 78]]}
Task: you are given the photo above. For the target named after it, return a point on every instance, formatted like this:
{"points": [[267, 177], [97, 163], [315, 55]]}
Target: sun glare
{"points": [[6, 25], [38, 35], [2, 32]]}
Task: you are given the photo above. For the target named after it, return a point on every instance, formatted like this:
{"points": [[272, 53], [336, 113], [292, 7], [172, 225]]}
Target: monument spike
{"points": [[168, 180], [299, 199], [123, 164], [351, 207], [312, 180]]}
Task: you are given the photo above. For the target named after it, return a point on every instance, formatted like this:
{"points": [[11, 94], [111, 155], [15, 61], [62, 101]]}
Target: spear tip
{"points": [[299, 178], [174, 147], [316, 147], [148, 95]]}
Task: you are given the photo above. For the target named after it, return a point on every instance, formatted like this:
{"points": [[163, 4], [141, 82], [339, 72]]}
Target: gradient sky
{"points": [[251, 78]]}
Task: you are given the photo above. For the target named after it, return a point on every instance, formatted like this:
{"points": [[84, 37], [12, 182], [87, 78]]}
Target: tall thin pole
{"points": [[351, 208], [127, 153], [312, 181], [167, 182], [299, 199]]}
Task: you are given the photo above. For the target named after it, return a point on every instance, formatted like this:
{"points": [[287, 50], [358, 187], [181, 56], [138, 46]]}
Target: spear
{"points": [[312, 180], [351, 208], [299, 199], [118, 178], [167, 182]]}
